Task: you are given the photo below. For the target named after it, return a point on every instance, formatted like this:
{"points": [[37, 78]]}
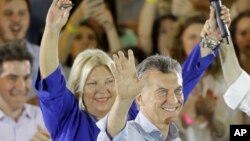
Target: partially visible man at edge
{"points": [[14, 24], [19, 121]]}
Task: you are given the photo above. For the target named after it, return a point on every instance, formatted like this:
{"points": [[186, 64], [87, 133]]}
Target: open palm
{"points": [[58, 16], [127, 84]]}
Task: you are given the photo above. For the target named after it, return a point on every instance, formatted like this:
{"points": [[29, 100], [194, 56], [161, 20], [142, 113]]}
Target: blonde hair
{"points": [[84, 63]]}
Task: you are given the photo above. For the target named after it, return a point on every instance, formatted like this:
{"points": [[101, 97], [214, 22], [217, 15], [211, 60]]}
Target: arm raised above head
{"points": [[211, 33], [56, 18], [104, 17], [204, 53], [146, 21]]}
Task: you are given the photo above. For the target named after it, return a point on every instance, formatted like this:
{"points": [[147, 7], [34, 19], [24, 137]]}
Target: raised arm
{"points": [[204, 53], [127, 87], [237, 80], [68, 34], [82, 12], [56, 18], [230, 65], [210, 31], [146, 21], [103, 16]]}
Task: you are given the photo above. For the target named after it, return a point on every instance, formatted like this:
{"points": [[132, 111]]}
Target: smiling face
{"points": [[15, 80], [14, 20], [161, 99], [99, 91]]}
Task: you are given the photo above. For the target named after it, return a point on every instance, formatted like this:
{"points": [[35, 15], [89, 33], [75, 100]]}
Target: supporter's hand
{"points": [[79, 13], [90, 6], [181, 7], [41, 135], [57, 15], [210, 28], [164, 6], [103, 16], [127, 84]]}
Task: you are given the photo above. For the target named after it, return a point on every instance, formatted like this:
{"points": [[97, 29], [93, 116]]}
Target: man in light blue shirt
{"points": [[157, 87], [160, 100], [137, 126]]}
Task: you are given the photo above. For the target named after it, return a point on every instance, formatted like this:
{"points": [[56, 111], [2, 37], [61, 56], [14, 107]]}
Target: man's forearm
{"points": [[118, 116], [49, 52]]}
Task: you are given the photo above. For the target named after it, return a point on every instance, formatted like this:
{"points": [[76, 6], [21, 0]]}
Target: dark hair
{"points": [[233, 28], [13, 51], [27, 2], [164, 64], [28, 5], [156, 29]]}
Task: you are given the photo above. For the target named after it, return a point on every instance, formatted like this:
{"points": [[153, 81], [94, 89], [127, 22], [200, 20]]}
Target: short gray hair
{"points": [[164, 64]]}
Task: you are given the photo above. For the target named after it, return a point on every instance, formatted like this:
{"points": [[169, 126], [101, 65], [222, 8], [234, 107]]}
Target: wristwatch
{"points": [[208, 42]]}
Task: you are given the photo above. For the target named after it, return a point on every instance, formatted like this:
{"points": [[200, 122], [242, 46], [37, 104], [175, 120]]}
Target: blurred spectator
{"points": [[186, 34], [84, 38], [154, 32], [161, 33], [18, 120], [164, 7], [239, 6], [85, 29], [240, 32], [14, 23], [184, 7]]}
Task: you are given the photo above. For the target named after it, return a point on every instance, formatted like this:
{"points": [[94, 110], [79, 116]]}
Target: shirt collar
{"points": [[149, 127], [173, 132], [26, 112], [2, 115]]}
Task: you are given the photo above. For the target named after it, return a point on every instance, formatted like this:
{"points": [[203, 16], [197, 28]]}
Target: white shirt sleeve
{"points": [[238, 94]]}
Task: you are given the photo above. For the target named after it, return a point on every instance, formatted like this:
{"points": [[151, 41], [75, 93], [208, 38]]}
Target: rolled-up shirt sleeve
{"points": [[56, 101], [238, 94]]}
